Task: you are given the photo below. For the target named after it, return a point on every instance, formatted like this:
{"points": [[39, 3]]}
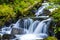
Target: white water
{"points": [[41, 25], [33, 26], [40, 10], [27, 23], [34, 29], [40, 28], [16, 25], [33, 36]]}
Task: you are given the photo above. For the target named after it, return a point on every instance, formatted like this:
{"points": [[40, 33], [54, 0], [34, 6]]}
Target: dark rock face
{"points": [[21, 23], [58, 24], [11, 0], [58, 35], [46, 12], [7, 23], [8, 36], [0, 37], [17, 31]]}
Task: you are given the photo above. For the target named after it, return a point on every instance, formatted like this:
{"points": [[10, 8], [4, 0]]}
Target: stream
{"points": [[29, 29]]}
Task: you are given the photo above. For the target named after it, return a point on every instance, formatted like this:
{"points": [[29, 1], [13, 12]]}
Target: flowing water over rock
{"points": [[36, 29], [33, 26], [29, 29], [40, 10]]}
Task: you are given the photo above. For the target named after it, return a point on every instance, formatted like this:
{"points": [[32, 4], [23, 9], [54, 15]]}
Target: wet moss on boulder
{"points": [[50, 38]]}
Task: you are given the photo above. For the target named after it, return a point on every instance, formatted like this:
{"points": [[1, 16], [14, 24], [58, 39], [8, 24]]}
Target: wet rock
{"points": [[11, 0], [0, 37], [7, 23], [17, 31], [58, 35], [46, 12], [8, 36], [58, 24]]}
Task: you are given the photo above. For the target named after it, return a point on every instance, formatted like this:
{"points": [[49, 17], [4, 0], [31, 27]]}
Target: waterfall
{"points": [[33, 26], [39, 28], [6, 30], [16, 25], [46, 26], [40, 10], [42, 25], [27, 23], [33, 29]]}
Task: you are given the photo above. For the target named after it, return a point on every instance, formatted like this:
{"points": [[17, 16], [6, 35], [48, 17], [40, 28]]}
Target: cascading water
{"points": [[41, 28], [42, 25], [37, 30], [34, 29], [46, 26], [40, 10], [27, 23], [33, 26], [16, 25], [6, 30]]}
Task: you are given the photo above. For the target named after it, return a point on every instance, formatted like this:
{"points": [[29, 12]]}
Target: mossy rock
{"points": [[51, 38], [0, 36], [8, 36]]}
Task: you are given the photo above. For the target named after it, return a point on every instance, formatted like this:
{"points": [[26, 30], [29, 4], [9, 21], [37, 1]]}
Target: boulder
{"points": [[8, 36], [46, 12], [17, 31]]}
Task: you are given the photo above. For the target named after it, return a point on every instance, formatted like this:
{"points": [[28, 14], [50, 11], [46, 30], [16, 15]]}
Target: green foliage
{"points": [[56, 15], [24, 5], [6, 1], [10, 9], [52, 5], [54, 1], [56, 30], [6, 13], [51, 38]]}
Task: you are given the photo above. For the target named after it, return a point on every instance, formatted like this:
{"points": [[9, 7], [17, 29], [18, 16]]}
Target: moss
{"points": [[54, 1], [24, 6], [6, 13], [11, 9], [56, 15], [51, 38], [0, 37]]}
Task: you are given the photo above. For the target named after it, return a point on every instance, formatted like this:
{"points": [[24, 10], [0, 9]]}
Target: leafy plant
{"points": [[9, 9], [54, 1], [56, 15], [6, 13]]}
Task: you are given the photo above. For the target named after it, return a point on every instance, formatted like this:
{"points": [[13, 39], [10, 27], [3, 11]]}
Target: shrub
{"points": [[6, 13], [56, 15], [21, 6], [54, 1], [9, 9]]}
